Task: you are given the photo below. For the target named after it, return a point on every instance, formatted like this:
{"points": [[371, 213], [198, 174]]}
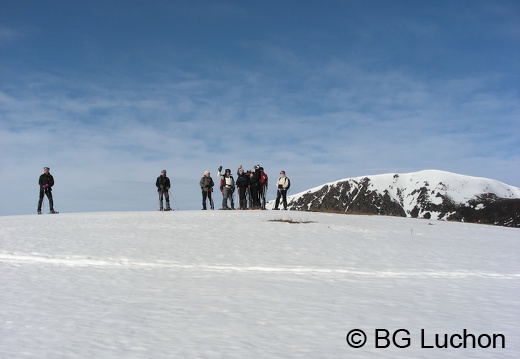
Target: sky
{"points": [[109, 93]]}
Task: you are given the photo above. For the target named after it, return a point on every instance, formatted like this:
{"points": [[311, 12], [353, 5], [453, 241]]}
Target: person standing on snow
{"points": [[163, 188], [206, 184], [255, 187], [282, 186], [263, 183], [227, 187], [248, 191], [242, 184], [46, 182]]}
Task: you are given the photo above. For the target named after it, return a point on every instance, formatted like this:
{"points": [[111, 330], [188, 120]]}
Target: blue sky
{"points": [[108, 93]]}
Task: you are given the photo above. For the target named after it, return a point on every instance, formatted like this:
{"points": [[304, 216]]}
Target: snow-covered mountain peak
{"points": [[429, 194]]}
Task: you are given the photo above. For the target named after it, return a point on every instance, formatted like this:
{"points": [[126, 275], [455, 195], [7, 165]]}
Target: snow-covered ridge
{"points": [[429, 194]]}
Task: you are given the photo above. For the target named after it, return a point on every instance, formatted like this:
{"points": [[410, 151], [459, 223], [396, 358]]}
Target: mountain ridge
{"points": [[429, 194]]}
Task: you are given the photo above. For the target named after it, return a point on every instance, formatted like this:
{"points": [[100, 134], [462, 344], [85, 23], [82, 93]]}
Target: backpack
{"points": [[263, 179], [231, 182], [286, 181]]}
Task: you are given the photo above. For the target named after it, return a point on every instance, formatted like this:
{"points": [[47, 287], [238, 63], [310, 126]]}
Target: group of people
{"points": [[251, 187]]}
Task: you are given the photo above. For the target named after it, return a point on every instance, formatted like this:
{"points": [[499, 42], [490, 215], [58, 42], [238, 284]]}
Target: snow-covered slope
{"points": [[248, 284], [425, 194]]}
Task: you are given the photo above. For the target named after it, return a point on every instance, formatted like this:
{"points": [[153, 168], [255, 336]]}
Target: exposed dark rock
{"points": [[501, 212]]}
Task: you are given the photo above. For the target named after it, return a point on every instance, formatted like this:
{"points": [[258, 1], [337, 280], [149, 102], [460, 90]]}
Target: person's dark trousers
{"points": [[49, 196], [164, 195], [282, 193], [256, 195], [206, 195], [249, 198], [262, 194], [242, 198]]}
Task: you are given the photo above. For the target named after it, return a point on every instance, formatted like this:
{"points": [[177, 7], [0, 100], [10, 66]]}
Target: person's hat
{"points": [[46, 168], [163, 171], [206, 172], [228, 170]]}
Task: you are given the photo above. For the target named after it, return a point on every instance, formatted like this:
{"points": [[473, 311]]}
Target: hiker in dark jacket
{"points": [[248, 191], [263, 184], [255, 187], [46, 181], [163, 187], [206, 184], [242, 183]]}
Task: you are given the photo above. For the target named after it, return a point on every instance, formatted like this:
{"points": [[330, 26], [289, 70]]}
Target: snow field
{"points": [[235, 284]]}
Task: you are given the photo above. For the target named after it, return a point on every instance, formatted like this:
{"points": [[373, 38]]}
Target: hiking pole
{"points": [[173, 199]]}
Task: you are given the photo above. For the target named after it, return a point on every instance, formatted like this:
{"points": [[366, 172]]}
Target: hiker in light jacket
{"points": [[227, 187], [282, 186]]}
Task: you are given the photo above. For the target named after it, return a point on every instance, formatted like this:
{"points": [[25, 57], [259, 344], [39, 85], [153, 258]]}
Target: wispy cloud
{"points": [[361, 119], [10, 34]]}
